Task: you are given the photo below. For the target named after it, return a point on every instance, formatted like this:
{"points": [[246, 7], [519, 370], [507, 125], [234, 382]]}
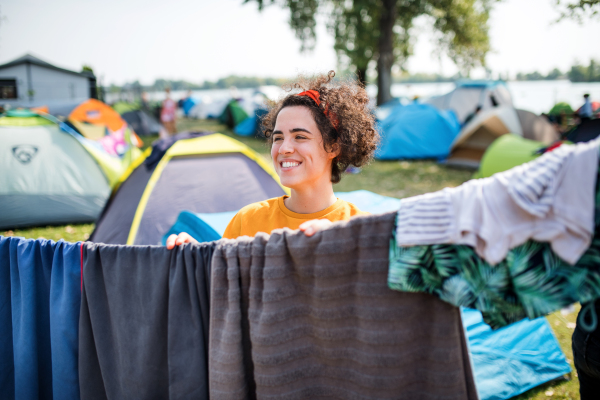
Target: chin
{"points": [[290, 182]]}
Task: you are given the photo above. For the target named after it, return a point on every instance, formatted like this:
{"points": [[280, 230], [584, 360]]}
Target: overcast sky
{"points": [[197, 40]]}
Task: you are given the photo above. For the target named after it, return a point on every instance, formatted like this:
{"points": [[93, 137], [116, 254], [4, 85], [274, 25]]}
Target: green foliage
{"points": [[464, 28], [579, 73], [356, 27], [578, 9], [536, 76], [87, 68], [223, 83], [424, 77]]}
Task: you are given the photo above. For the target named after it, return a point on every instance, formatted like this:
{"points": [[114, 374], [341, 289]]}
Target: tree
{"points": [[87, 68], [577, 9], [577, 73], [554, 74], [379, 31]]}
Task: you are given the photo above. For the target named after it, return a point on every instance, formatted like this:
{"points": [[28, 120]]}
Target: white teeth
{"points": [[288, 164]]}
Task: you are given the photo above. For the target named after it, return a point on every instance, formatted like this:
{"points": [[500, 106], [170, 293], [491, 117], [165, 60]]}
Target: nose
{"points": [[286, 147]]}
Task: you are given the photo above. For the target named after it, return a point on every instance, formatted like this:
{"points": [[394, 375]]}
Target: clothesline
{"points": [[275, 316]]}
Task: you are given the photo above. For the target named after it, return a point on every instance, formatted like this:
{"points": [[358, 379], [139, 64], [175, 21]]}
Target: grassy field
{"points": [[390, 178]]}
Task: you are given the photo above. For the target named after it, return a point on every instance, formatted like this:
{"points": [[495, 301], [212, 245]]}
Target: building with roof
{"points": [[29, 81]]}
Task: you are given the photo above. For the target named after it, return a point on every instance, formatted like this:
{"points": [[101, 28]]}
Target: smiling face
{"points": [[299, 156]]}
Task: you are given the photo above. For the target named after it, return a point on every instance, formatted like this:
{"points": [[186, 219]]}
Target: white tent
{"points": [[475, 137], [467, 96], [46, 175]]}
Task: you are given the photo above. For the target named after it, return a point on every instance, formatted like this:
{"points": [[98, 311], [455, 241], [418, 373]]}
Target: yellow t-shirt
{"points": [[265, 216]]}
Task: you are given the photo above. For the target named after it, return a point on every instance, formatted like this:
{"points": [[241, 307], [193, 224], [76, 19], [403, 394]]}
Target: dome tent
{"points": [[233, 114], [251, 125], [537, 128], [50, 175], [469, 95], [507, 152], [417, 131], [142, 123], [479, 133], [211, 173]]}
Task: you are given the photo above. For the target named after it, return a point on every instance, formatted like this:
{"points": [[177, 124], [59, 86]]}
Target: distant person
{"points": [[585, 112], [167, 114], [144, 103]]}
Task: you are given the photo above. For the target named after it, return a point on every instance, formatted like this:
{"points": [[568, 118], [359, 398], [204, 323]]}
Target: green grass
{"points": [[388, 178]]}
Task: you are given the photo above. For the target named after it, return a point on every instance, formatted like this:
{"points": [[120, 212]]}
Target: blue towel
{"points": [[40, 297], [513, 359]]}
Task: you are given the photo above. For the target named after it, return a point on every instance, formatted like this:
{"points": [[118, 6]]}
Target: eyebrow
{"points": [[293, 131]]}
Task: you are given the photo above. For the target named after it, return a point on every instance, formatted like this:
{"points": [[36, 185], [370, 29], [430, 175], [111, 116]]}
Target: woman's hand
{"points": [[313, 226], [177, 240]]}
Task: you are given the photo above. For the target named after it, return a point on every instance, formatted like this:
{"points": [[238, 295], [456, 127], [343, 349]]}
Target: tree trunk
{"points": [[386, 52], [361, 75]]}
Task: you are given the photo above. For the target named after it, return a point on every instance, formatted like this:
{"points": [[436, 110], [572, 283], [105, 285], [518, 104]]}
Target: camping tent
{"points": [[417, 131], [212, 173], [96, 112], [251, 125], [585, 131], [507, 152], [537, 128], [233, 114], [142, 123], [469, 95], [188, 105], [561, 107], [208, 108], [480, 132], [48, 174]]}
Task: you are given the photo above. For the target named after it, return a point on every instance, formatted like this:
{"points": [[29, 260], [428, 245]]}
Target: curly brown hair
{"points": [[347, 105]]}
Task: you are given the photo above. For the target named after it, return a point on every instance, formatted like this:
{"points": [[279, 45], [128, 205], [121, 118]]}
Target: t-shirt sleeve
{"points": [[234, 228]]}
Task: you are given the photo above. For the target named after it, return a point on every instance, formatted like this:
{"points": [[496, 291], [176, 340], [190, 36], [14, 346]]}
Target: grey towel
{"points": [[143, 328], [294, 317]]}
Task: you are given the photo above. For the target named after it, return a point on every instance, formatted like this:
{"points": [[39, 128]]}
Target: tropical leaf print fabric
{"points": [[530, 282]]}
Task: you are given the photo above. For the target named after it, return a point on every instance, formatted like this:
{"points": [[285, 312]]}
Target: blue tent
{"points": [[188, 104], [506, 362], [251, 125], [417, 131]]}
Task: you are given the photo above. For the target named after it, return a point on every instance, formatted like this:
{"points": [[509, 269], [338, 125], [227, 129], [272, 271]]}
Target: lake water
{"points": [[535, 96]]}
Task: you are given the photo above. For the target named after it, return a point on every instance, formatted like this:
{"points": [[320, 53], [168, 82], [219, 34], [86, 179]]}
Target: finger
{"points": [[171, 241], [309, 231], [182, 238]]}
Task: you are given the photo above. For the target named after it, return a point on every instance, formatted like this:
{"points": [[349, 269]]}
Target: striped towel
{"points": [[295, 317], [426, 219], [550, 199]]}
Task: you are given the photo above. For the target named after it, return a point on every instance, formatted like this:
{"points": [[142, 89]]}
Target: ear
{"points": [[334, 151]]}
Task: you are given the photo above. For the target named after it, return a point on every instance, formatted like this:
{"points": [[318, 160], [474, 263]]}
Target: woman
{"points": [[314, 136], [167, 114]]}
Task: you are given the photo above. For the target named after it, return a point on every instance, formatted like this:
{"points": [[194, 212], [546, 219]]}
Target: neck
{"points": [[310, 200]]}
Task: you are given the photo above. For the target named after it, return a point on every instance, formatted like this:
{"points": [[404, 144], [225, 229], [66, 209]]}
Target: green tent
{"points": [[122, 107], [233, 114], [507, 152], [560, 107]]}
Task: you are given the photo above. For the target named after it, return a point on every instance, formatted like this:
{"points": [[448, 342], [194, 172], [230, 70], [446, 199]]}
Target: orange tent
{"points": [[96, 112], [41, 109]]}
